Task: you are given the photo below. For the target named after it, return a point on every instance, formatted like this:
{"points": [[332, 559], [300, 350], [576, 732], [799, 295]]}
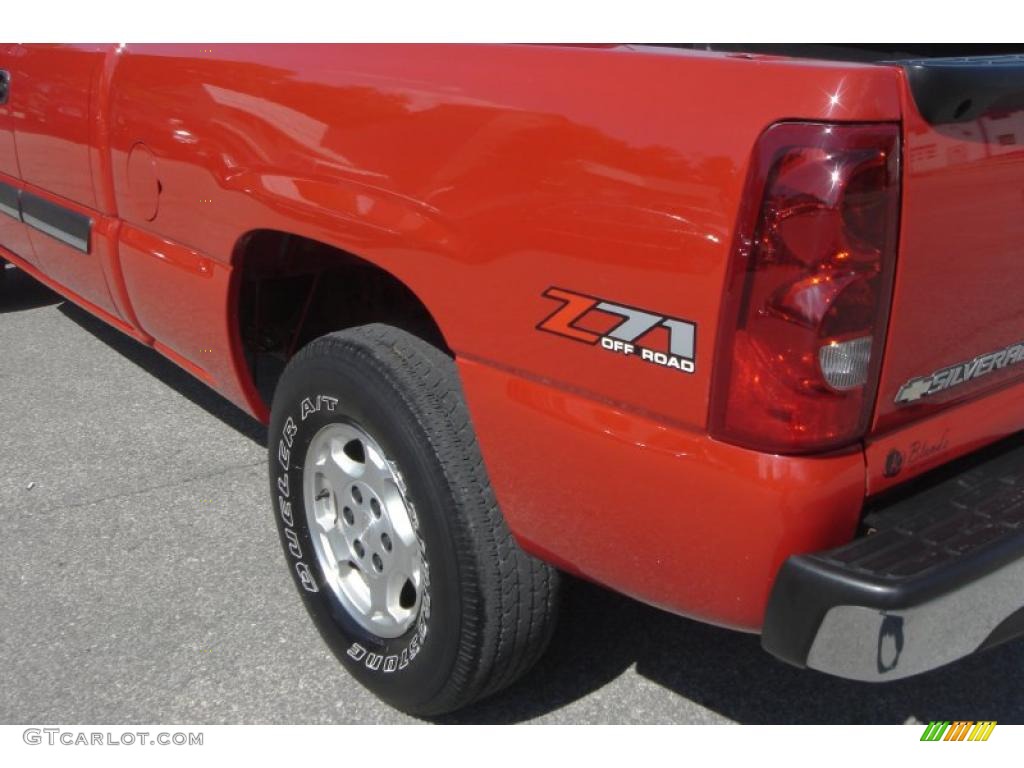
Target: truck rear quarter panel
{"points": [[480, 176]]}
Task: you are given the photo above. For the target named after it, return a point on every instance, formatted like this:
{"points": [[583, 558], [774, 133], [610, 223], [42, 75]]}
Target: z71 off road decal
{"points": [[666, 341]]}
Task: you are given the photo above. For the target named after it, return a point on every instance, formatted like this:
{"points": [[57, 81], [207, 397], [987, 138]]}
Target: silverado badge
{"points": [[961, 373]]}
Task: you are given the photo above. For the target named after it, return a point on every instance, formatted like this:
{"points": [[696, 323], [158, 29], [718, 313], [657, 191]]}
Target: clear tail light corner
{"points": [[808, 289]]}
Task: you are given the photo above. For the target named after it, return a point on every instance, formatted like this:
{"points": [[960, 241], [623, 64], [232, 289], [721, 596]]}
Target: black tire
{"points": [[488, 608]]}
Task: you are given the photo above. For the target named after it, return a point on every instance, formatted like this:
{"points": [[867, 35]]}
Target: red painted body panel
{"points": [[8, 153], [479, 176], [83, 273], [459, 176], [659, 512], [13, 234], [188, 316], [50, 103], [944, 436], [66, 292], [962, 229]]}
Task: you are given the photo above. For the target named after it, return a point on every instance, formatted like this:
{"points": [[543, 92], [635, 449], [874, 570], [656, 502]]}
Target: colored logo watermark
{"points": [[958, 730]]}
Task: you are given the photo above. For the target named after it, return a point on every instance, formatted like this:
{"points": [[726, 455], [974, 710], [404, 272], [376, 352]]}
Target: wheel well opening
{"points": [[292, 290]]}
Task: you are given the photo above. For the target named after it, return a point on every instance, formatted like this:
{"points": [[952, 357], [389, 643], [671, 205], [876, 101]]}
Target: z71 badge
{"points": [[666, 341]]}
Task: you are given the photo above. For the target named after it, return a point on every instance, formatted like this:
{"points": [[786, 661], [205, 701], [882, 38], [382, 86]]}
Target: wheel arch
{"points": [[288, 288]]}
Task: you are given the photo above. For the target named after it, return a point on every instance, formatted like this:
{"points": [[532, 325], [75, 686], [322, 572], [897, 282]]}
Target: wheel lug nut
{"points": [[385, 540], [357, 545], [375, 507], [357, 495], [377, 562], [347, 515]]}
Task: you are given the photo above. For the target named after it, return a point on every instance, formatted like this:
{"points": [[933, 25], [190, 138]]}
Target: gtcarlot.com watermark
{"points": [[72, 738]]}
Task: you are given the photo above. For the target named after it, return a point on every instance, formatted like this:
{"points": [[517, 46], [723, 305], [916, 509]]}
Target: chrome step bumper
{"points": [[939, 577]]}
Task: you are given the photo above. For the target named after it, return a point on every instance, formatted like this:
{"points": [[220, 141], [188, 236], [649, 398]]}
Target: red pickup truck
{"points": [[730, 330]]}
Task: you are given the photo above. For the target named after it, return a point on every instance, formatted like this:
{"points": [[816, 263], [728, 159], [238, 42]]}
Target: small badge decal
{"points": [[893, 463]]}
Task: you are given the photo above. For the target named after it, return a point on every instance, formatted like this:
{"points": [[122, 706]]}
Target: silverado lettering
{"points": [[961, 373]]}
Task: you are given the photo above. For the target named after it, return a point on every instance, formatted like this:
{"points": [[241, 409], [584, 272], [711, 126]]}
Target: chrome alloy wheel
{"points": [[362, 529]]}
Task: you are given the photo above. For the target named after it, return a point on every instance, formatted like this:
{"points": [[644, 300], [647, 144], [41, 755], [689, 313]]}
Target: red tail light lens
{"points": [[808, 291]]}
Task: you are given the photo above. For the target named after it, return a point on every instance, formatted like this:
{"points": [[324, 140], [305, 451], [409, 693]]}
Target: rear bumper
{"points": [[941, 576]]}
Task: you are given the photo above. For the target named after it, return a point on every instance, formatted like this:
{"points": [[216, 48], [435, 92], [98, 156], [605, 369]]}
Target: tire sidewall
{"points": [[320, 390]]}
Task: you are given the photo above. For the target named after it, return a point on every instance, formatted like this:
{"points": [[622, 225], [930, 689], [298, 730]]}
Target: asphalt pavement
{"points": [[141, 580]]}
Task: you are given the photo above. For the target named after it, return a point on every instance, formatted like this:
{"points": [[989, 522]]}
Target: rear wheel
{"points": [[391, 528]]}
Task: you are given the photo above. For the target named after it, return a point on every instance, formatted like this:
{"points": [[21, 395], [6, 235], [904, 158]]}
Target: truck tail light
{"points": [[807, 294]]}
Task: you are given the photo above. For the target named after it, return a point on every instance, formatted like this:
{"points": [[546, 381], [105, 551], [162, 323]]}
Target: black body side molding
{"points": [[58, 222], [9, 203]]}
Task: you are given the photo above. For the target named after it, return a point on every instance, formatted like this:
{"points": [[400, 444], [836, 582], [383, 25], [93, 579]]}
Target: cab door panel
{"points": [[13, 235], [51, 99], [50, 92], [8, 158]]}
